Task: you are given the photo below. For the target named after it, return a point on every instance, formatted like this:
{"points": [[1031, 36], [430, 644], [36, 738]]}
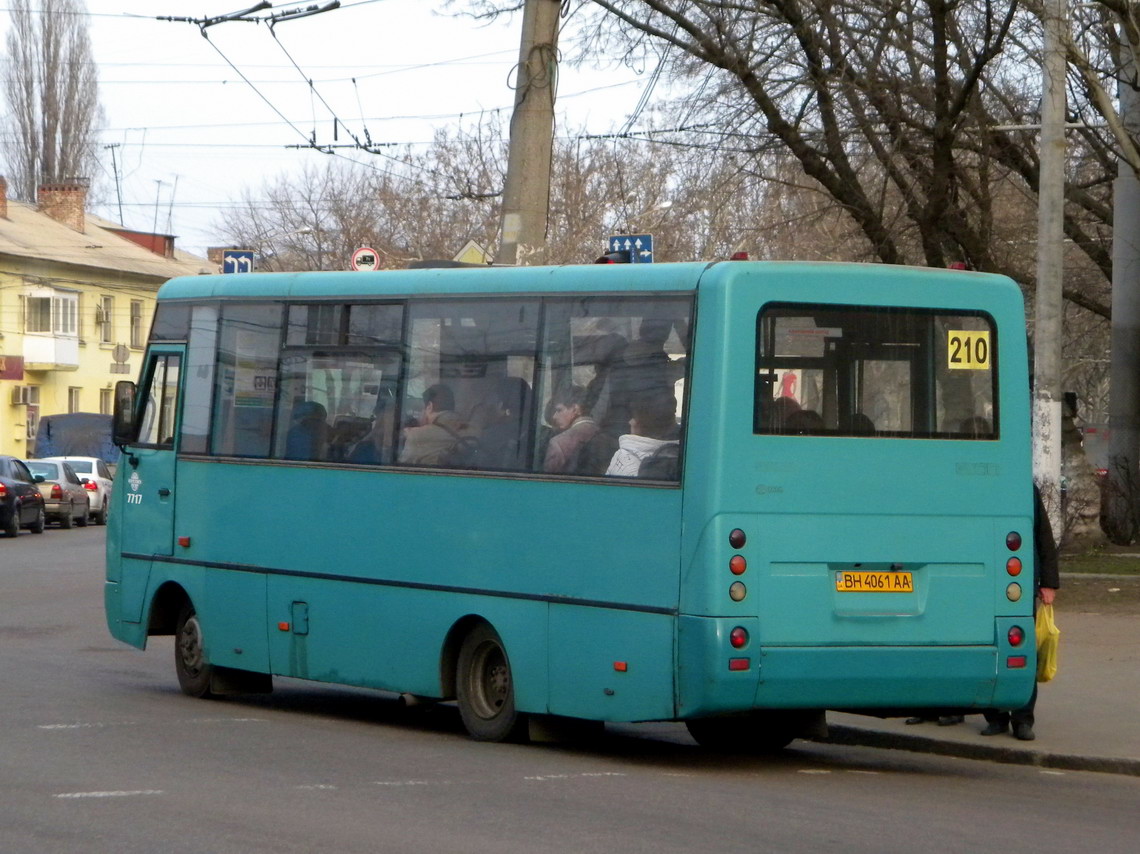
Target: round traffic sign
{"points": [[365, 258]]}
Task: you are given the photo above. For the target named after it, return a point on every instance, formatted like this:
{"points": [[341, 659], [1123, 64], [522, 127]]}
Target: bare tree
{"points": [[52, 93]]}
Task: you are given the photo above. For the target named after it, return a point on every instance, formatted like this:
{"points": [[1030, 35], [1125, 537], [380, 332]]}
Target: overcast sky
{"points": [[190, 133]]}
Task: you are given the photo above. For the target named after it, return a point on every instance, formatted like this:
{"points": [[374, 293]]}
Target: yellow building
{"points": [[76, 298]]}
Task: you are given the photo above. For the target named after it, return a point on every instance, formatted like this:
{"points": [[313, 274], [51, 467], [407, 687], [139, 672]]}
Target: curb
{"points": [[856, 736]]}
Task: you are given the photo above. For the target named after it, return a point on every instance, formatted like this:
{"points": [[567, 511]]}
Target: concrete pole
{"points": [[526, 192], [1047, 392], [1121, 510]]}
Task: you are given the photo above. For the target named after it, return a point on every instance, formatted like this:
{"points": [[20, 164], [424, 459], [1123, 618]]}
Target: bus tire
{"points": [[485, 688], [194, 672], [757, 732], [37, 527], [67, 517]]}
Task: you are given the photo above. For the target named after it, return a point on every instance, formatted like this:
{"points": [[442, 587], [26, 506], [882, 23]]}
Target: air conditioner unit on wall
{"points": [[21, 395]]}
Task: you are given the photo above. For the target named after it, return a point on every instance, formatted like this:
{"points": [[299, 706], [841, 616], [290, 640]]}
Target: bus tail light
{"points": [[1013, 566], [737, 592], [737, 538], [1013, 591], [1016, 636], [1013, 541], [739, 663], [1015, 661], [737, 564], [738, 637]]}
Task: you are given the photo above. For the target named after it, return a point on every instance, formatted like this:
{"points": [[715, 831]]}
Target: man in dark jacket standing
{"points": [[1046, 580]]}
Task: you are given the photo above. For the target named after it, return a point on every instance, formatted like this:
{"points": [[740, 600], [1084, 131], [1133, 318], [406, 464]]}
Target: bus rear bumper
{"points": [[839, 677]]}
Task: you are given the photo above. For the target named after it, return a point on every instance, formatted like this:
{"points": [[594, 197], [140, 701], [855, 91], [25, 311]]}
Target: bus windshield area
{"points": [[875, 372]]}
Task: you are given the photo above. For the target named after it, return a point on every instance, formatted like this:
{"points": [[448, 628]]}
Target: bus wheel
{"points": [[485, 690], [190, 663], [749, 733]]}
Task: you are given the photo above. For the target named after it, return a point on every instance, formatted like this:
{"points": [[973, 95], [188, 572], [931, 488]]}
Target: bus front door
{"points": [[148, 482]]}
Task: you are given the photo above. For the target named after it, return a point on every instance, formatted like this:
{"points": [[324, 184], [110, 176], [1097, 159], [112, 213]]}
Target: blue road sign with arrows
{"points": [[639, 247], [237, 260]]}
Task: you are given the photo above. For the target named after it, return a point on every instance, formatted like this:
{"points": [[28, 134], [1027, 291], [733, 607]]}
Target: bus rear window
{"points": [[875, 371]]}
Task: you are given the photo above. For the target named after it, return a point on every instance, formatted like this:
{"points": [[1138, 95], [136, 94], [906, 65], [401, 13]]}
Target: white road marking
{"points": [[101, 724], [120, 794]]}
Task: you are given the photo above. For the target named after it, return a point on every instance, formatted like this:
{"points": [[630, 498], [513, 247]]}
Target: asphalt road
{"points": [[99, 752]]}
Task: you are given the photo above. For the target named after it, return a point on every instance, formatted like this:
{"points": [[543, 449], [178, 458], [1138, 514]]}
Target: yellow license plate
{"points": [[874, 582]]}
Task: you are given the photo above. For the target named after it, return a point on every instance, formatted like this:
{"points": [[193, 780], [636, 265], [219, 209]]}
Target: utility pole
{"points": [[1121, 510], [1047, 392], [118, 184], [526, 192]]}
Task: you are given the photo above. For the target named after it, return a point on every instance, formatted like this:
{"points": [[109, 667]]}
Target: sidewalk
{"points": [[1088, 717]]}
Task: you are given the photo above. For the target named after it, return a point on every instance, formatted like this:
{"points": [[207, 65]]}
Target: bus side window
{"points": [[246, 380]]}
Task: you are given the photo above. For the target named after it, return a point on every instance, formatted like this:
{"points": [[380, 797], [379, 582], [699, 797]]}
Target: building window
{"points": [[136, 323], [105, 319], [57, 314], [104, 401], [73, 399]]}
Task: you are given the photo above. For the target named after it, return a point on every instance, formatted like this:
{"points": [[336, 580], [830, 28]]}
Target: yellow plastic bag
{"points": [[1048, 638]]}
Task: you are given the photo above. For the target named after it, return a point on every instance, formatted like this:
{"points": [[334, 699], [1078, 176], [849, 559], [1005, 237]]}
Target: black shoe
{"points": [[950, 720], [994, 728], [1023, 732]]}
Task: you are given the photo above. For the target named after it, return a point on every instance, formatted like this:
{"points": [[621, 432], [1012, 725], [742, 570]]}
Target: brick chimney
{"points": [[65, 203], [3, 197]]}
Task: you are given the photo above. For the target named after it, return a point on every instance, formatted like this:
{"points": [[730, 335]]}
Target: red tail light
{"points": [[90, 487], [1016, 636], [56, 492], [3, 491], [738, 637]]}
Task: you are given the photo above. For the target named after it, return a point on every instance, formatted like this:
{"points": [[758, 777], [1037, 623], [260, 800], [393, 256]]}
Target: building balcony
{"points": [[50, 352]]}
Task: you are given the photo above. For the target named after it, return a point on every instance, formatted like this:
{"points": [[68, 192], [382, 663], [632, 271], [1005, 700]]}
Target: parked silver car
{"points": [[65, 499], [97, 479]]}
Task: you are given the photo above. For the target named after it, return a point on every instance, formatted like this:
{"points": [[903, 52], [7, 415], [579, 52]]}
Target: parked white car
{"points": [[98, 479]]}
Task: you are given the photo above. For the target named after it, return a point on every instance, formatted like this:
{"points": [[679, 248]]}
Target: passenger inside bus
{"points": [[441, 438], [375, 447], [642, 368], [308, 435], [803, 421], [503, 439], [652, 425], [568, 450]]}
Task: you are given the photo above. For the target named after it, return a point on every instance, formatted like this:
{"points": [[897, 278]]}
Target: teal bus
{"points": [[735, 494]]}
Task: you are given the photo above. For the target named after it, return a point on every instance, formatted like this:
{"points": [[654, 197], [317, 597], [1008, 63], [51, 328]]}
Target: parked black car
{"points": [[21, 505]]}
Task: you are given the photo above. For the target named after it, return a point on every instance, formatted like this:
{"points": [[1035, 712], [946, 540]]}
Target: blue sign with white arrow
{"points": [[639, 247], [237, 260]]}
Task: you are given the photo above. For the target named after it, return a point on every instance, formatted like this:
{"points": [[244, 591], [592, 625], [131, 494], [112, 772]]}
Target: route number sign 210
{"points": [[968, 350]]}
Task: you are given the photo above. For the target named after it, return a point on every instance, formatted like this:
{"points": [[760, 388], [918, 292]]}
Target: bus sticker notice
{"points": [[968, 351], [874, 582]]}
